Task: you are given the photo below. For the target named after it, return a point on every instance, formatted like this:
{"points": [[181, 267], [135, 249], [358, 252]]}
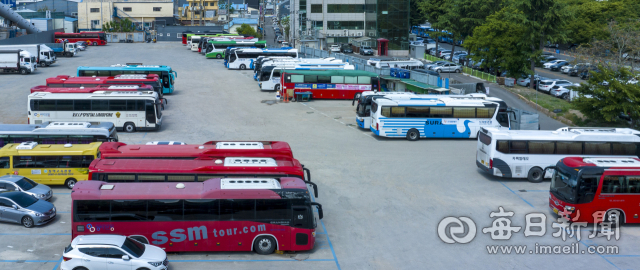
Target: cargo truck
{"points": [[63, 48], [16, 61], [48, 54], [33, 49]]}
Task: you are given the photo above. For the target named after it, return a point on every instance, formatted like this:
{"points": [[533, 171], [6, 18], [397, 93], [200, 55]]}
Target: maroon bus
{"points": [[208, 150], [252, 214], [122, 79], [44, 88], [195, 170], [92, 38]]}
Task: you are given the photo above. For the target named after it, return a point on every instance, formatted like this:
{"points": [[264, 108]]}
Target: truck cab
{"points": [[47, 56], [26, 62], [70, 49]]}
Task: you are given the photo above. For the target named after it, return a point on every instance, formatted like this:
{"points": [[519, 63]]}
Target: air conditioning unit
{"points": [[372, 34], [353, 34], [359, 34], [346, 32]]}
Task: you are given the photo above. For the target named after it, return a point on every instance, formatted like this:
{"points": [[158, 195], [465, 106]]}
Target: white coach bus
{"points": [[244, 58], [270, 75], [527, 153], [129, 111]]}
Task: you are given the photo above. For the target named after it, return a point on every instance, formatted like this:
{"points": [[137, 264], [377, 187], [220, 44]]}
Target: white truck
{"points": [[34, 50], [64, 48], [17, 61], [49, 54]]}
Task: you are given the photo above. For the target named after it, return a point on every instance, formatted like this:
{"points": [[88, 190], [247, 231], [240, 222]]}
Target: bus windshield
{"points": [[564, 183]]}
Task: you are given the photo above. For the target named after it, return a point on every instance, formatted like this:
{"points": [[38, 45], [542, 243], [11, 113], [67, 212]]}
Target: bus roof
{"points": [[340, 72], [35, 149], [123, 78], [209, 189], [97, 94], [568, 133], [607, 162], [228, 165], [44, 88], [57, 128], [209, 150], [434, 100], [266, 50], [236, 42], [128, 67]]}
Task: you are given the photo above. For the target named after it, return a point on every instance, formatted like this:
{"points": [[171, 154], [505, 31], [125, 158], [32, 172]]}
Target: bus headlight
{"points": [[569, 208]]}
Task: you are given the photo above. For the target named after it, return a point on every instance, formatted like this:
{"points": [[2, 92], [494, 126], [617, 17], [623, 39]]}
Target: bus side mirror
{"points": [[320, 213], [550, 169]]}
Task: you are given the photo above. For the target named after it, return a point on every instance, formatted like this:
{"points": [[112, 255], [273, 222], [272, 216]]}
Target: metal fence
{"points": [[466, 70]]}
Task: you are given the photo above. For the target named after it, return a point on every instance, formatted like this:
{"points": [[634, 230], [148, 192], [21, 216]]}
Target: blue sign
{"points": [[11, 3]]}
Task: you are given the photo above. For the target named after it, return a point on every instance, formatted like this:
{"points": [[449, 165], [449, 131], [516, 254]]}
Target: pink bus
{"points": [[228, 214]]}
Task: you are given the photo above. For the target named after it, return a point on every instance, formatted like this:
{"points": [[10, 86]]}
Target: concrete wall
{"points": [[42, 37], [141, 11], [174, 33]]}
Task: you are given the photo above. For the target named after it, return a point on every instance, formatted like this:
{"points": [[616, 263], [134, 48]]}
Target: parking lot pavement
{"points": [[382, 198]]}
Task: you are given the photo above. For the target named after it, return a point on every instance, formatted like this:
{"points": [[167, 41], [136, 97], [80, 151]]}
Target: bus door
{"points": [[166, 83], [302, 218], [150, 112], [375, 84]]}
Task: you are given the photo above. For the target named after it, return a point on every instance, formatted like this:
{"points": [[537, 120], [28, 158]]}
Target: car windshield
{"points": [[546, 83], [26, 184], [133, 247], [366, 48], [563, 184], [24, 200]]}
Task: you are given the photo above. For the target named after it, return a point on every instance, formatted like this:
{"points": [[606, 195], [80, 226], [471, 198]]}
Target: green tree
{"points": [[606, 102], [284, 22], [120, 26], [417, 17], [433, 10], [246, 29]]}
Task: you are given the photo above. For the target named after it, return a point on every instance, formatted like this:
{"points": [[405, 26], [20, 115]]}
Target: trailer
{"points": [[16, 61], [33, 49], [64, 48]]}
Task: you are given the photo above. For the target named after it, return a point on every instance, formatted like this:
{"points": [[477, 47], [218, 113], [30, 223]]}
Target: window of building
{"points": [[338, 25], [95, 23], [126, 9], [339, 8], [316, 8], [93, 10], [157, 8]]}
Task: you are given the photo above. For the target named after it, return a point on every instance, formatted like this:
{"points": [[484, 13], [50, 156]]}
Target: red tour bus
{"points": [[123, 79], [92, 38], [257, 214], [207, 151], [328, 84], [44, 88], [596, 189], [195, 170]]}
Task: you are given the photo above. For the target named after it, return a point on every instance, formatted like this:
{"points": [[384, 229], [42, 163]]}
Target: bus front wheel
{"points": [[129, 127], [536, 175], [218, 56], [265, 245], [243, 67], [277, 87], [615, 217], [70, 183], [95, 44], [413, 134]]}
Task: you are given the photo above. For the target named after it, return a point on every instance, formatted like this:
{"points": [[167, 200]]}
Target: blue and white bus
{"points": [[443, 117], [244, 58], [166, 74]]}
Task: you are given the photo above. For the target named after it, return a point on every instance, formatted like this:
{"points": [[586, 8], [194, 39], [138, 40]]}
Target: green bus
{"points": [[216, 49]]}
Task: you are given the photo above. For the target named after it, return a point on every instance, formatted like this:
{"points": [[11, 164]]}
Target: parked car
{"points": [[562, 91], [346, 49], [284, 44], [443, 52], [366, 50], [334, 48], [448, 67], [26, 185], [460, 59], [547, 65], [449, 56], [22, 208], [477, 65], [546, 85], [558, 66], [586, 73], [545, 60], [82, 45], [94, 251], [434, 64], [426, 71], [577, 69], [280, 39], [566, 69], [525, 80]]}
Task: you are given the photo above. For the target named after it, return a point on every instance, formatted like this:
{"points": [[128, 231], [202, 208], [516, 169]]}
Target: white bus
{"points": [[58, 133], [195, 40], [527, 153], [428, 117], [244, 58], [270, 75], [392, 63], [129, 111]]}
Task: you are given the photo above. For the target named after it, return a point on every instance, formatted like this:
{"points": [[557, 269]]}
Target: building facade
{"points": [[343, 21], [205, 10], [92, 14]]}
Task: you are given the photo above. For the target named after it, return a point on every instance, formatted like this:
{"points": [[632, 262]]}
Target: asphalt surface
{"points": [[382, 198]]}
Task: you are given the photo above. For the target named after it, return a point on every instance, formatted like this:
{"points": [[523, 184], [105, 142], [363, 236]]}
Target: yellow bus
{"points": [[49, 164]]}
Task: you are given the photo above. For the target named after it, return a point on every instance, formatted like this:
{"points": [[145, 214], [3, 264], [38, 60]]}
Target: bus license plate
{"points": [[555, 210]]}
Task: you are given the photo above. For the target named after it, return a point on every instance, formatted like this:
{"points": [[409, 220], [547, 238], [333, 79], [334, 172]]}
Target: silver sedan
{"points": [[26, 185], [20, 207]]}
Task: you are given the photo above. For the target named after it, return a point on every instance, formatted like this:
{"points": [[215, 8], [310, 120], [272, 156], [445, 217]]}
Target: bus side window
{"points": [[386, 111], [5, 163]]}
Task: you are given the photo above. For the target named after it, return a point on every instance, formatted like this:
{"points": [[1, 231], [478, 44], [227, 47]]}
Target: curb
{"points": [[545, 111]]}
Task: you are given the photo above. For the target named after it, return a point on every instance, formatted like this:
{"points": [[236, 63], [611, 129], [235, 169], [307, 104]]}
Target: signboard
{"points": [[11, 3], [210, 13], [222, 11]]}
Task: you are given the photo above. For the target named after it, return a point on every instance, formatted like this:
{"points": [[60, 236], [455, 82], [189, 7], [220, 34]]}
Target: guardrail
{"points": [[467, 70]]}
